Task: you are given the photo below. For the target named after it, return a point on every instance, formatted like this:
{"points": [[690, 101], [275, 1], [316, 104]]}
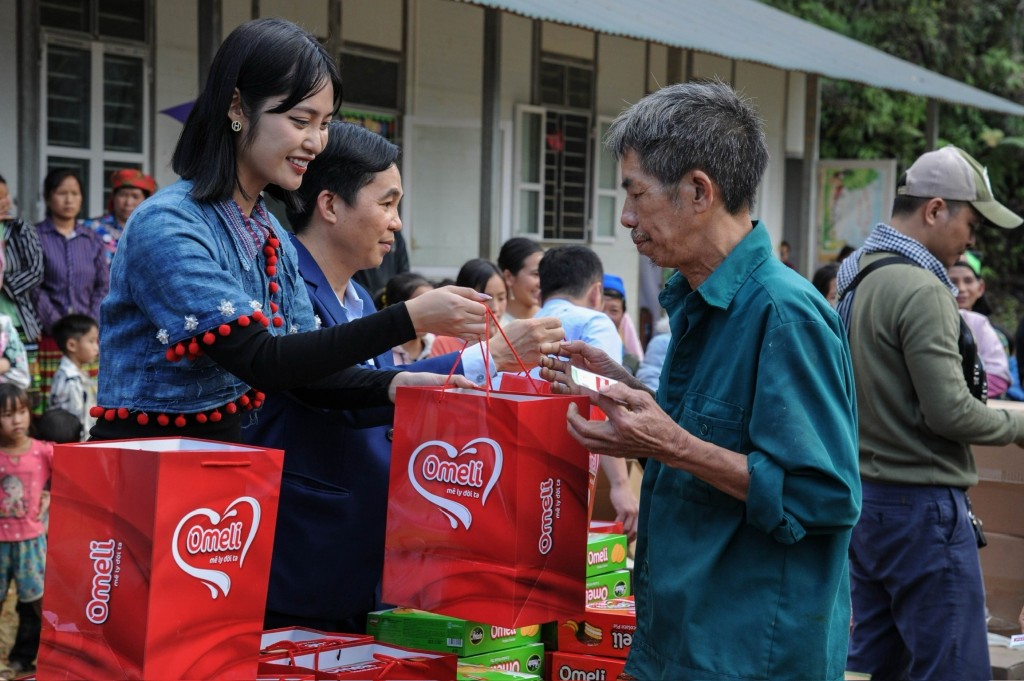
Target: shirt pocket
{"points": [[720, 423]]}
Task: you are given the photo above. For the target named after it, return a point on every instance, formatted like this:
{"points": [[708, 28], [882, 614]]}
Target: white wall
{"points": [[372, 22], [176, 76], [766, 87], [9, 102], [309, 14]]}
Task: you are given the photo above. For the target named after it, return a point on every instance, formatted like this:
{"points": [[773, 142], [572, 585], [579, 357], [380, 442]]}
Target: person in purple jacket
{"points": [[76, 273]]}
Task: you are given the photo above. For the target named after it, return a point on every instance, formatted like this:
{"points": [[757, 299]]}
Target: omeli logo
{"points": [[455, 472], [207, 535], [101, 553]]}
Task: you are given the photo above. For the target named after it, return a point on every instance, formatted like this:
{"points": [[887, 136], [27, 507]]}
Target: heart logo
{"points": [[215, 538], [458, 472]]}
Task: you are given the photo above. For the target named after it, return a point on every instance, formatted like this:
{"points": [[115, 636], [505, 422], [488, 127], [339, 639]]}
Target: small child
{"points": [[78, 337], [59, 426], [25, 471]]}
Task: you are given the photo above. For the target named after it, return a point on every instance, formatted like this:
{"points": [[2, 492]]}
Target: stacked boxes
{"points": [[595, 646], [607, 576], [475, 643]]}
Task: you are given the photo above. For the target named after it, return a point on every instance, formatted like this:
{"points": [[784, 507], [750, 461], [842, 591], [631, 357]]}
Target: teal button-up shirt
{"points": [[758, 364]]}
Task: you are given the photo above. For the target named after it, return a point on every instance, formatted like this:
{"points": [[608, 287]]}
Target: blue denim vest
{"points": [[180, 271]]}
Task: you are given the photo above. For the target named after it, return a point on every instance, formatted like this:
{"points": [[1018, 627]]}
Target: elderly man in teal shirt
{"points": [[751, 487]]}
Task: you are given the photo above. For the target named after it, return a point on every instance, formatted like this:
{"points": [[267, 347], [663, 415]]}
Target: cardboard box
{"points": [[999, 505], [606, 526], [1006, 663], [528, 658], [1000, 463], [605, 553], [605, 628], [617, 584], [576, 666], [279, 643], [361, 661], [475, 672], [429, 631], [1002, 567]]}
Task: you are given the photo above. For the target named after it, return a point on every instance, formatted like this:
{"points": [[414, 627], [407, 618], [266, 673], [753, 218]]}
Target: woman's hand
{"points": [[526, 336], [413, 378], [449, 311]]}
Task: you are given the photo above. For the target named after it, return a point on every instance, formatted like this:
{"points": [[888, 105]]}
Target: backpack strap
{"points": [[845, 304]]}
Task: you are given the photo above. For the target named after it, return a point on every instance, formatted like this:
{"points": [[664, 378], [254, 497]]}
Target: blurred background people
{"points": [[128, 188], [615, 308], [519, 261], [824, 280], [76, 271], [991, 351], [399, 289], [483, 276]]}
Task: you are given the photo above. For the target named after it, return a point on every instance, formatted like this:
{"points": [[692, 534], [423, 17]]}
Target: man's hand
{"points": [[449, 311], [582, 356], [636, 425], [627, 508], [413, 378], [526, 336]]}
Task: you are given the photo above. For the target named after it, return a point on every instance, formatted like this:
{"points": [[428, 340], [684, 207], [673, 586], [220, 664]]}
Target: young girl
{"points": [[402, 288], [24, 470]]}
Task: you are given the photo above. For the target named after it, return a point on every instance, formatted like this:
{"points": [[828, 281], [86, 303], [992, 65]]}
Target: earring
{"points": [[236, 126]]}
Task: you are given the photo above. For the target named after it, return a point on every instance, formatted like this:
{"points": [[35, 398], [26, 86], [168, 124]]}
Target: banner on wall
{"points": [[385, 125], [853, 197]]}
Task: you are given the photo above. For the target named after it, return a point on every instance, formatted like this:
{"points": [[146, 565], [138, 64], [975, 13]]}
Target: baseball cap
{"points": [[132, 177], [951, 173], [614, 283]]}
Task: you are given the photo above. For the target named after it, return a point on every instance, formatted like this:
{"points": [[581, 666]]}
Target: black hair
{"points": [[401, 287], [476, 273], [348, 162], [569, 270], [2, 180], [616, 295], [72, 326], [263, 59], [53, 180], [514, 253], [58, 425], [823, 275], [13, 395]]}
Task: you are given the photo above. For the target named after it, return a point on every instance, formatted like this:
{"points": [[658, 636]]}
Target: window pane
{"points": [[122, 19], [67, 96], [606, 162], [72, 15], [552, 83], [81, 168], [122, 103], [578, 86], [566, 160], [369, 81], [528, 212], [530, 147], [606, 218]]}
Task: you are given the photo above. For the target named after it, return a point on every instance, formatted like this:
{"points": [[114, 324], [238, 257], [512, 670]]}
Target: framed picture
{"points": [[853, 196]]}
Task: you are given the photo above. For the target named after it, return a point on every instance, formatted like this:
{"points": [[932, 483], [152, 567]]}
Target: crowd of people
{"points": [[805, 449]]}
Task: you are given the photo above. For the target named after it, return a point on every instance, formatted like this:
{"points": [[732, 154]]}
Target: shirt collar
{"points": [[719, 289]]}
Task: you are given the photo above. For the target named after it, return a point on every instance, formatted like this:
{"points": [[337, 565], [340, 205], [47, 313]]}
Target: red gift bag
{"points": [[487, 507], [363, 661], [158, 561]]}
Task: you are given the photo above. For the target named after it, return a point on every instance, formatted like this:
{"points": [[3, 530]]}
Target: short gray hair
{"points": [[696, 126]]}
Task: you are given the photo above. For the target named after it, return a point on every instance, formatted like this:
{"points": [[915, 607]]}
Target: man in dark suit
{"points": [[329, 545]]}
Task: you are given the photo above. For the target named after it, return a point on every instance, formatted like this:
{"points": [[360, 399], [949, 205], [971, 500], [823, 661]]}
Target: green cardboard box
{"points": [[475, 672], [605, 552], [617, 584], [427, 631], [528, 658]]}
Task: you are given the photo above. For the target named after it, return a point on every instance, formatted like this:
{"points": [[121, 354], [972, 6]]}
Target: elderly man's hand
{"points": [[527, 336], [583, 356], [636, 426]]}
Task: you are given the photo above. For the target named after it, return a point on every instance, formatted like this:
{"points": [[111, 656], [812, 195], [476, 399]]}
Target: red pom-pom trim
{"points": [[215, 416], [274, 287], [244, 321], [193, 347], [122, 413], [268, 250], [110, 414], [142, 419], [96, 412], [258, 315], [224, 329], [271, 271], [274, 306], [273, 242], [244, 400], [201, 417], [278, 322], [179, 421], [272, 261], [260, 395], [171, 355], [162, 419], [231, 407], [208, 338], [179, 350]]}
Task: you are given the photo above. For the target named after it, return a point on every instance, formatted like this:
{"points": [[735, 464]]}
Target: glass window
{"points": [[71, 15], [125, 19], [370, 80], [122, 103], [68, 83]]}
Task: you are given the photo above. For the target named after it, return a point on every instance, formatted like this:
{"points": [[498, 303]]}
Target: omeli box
{"points": [[576, 666], [528, 658], [476, 672], [429, 631], [605, 552], [617, 584], [605, 628]]}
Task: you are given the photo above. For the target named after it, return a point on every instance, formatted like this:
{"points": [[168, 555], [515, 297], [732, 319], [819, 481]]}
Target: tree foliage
{"points": [[978, 43]]}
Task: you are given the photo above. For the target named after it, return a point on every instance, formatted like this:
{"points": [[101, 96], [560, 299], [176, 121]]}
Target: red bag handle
{"points": [[488, 318]]}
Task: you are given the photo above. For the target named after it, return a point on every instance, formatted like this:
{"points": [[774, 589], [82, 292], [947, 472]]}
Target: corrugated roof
{"points": [[751, 31]]}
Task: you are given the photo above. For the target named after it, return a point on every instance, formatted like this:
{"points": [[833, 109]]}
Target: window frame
{"points": [[600, 152]]}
